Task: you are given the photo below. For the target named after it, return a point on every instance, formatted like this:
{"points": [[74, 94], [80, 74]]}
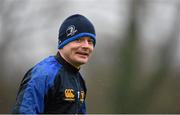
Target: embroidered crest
{"points": [[69, 95], [71, 30]]}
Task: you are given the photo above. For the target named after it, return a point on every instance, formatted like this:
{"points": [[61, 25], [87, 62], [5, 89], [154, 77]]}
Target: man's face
{"points": [[78, 52]]}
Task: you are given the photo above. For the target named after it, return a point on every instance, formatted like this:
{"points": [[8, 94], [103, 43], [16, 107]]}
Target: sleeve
{"points": [[30, 98]]}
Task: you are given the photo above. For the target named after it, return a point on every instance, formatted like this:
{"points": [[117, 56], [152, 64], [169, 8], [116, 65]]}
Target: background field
{"points": [[136, 62]]}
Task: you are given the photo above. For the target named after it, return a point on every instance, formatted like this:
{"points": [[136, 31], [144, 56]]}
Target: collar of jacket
{"points": [[65, 63]]}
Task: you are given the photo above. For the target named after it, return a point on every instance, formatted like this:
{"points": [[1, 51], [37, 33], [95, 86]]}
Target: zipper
{"points": [[78, 95]]}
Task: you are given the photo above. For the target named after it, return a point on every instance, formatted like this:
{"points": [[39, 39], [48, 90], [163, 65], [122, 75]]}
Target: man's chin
{"points": [[82, 61]]}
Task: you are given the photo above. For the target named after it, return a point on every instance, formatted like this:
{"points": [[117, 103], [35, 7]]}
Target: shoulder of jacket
{"points": [[45, 72], [48, 67]]}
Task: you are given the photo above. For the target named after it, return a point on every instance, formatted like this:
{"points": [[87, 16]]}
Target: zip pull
{"points": [[78, 94]]}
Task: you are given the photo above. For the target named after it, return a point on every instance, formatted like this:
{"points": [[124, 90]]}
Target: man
{"points": [[55, 85]]}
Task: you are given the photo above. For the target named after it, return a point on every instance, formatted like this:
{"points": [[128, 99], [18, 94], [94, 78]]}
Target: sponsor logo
{"points": [[69, 94]]}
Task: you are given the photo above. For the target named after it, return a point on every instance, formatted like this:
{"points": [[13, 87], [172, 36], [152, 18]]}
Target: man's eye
{"points": [[78, 40], [90, 41]]}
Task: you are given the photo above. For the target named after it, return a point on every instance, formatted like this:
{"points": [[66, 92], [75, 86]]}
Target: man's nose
{"points": [[85, 43]]}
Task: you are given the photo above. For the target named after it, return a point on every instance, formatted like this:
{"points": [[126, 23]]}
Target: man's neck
{"points": [[78, 67]]}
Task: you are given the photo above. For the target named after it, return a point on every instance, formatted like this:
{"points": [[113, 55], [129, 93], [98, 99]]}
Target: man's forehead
{"points": [[85, 37]]}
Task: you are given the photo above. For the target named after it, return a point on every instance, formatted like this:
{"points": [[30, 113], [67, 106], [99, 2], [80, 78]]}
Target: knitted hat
{"points": [[74, 27]]}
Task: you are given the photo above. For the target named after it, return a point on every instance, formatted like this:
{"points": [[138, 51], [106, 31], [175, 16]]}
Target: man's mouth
{"points": [[83, 53]]}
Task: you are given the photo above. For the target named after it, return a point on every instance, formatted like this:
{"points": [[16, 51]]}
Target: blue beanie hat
{"points": [[75, 27]]}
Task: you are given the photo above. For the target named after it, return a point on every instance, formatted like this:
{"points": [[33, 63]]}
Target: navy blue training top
{"points": [[51, 86]]}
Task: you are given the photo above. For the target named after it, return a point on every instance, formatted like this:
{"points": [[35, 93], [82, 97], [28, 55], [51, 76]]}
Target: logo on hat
{"points": [[71, 30]]}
